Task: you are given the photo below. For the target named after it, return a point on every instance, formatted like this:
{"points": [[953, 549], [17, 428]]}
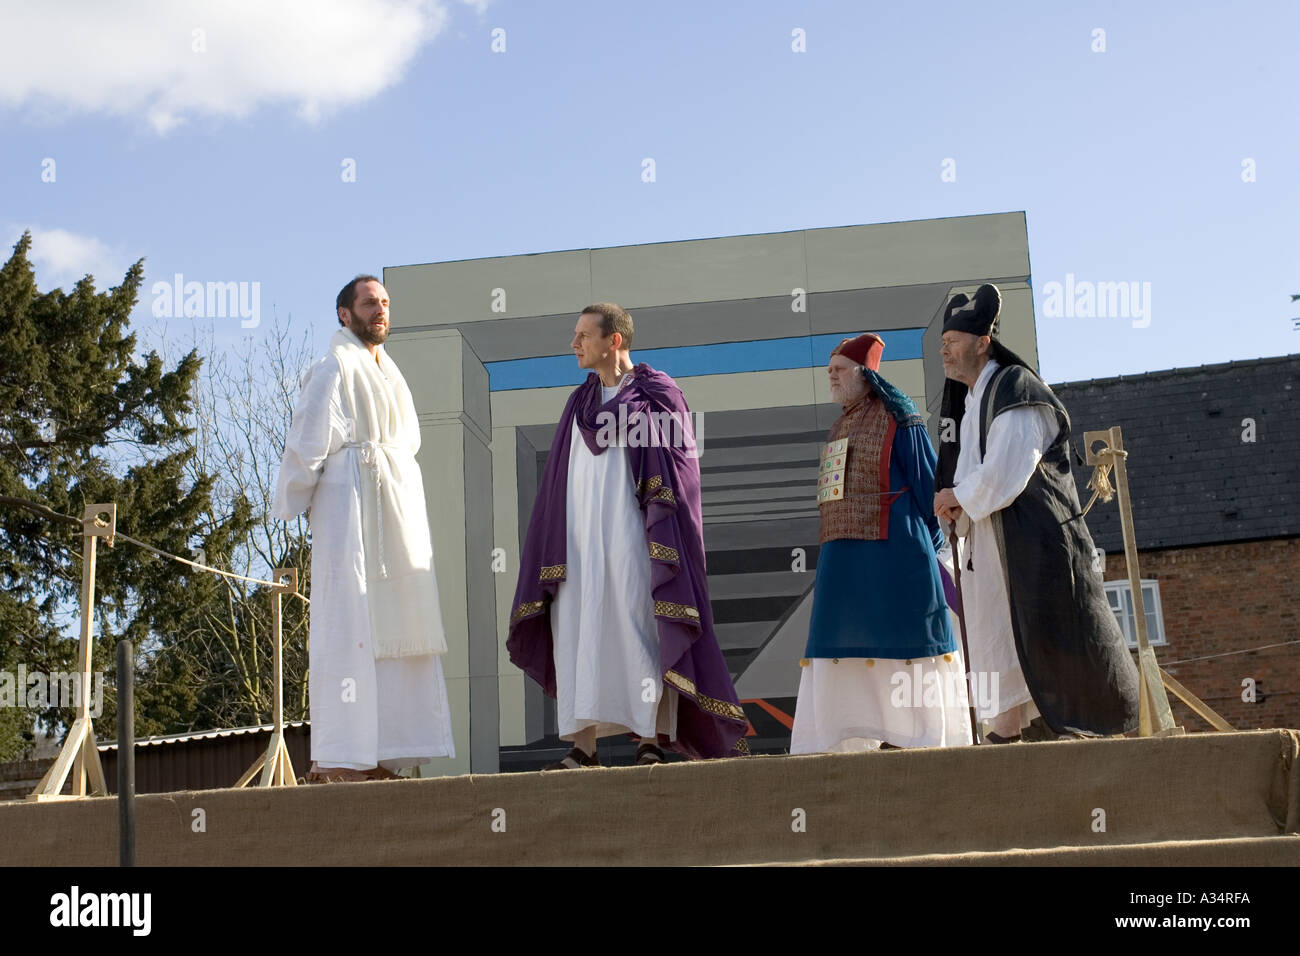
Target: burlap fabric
{"points": [[962, 802]]}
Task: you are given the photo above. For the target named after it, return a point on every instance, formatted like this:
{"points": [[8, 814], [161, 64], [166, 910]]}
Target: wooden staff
{"points": [[961, 623]]}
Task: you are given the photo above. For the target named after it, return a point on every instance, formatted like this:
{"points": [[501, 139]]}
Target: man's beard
{"points": [[959, 371], [847, 395], [365, 333]]}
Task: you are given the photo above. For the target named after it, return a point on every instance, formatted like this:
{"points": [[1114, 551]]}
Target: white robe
{"points": [[606, 641], [1015, 443], [391, 712], [849, 705]]}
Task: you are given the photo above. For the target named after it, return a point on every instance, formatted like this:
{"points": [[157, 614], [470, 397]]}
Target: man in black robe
{"points": [[1037, 618]]}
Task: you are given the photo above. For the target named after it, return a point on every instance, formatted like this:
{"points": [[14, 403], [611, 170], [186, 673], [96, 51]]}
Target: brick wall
{"points": [[1229, 597]]}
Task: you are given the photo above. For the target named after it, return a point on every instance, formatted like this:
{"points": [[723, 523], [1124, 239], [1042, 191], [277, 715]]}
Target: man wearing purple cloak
{"points": [[611, 614]]}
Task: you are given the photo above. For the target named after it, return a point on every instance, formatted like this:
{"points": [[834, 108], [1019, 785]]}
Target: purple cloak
{"points": [[710, 720]]}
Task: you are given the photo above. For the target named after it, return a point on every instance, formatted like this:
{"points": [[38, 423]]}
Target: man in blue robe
{"points": [[882, 667]]}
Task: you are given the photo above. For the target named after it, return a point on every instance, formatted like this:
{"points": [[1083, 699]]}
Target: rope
{"points": [[1101, 488], [1249, 650], [47, 513], [1100, 480]]}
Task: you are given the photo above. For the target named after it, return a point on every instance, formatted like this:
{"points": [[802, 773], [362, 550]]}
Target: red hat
{"points": [[865, 350]]}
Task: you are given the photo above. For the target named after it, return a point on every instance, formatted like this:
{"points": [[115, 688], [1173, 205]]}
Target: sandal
{"points": [[575, 759], [648, 754]]}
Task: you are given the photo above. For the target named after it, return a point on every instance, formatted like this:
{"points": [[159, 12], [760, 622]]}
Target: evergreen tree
{"points": [[82, 421]]}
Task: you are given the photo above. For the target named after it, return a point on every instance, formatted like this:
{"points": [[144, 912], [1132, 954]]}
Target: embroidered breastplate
{"points": [[830, 480], [853, 475]]}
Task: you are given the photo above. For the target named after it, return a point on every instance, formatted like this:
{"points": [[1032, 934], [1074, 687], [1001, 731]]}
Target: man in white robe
{"points": [[1030, 601], [1016, 441], [377, 693]]}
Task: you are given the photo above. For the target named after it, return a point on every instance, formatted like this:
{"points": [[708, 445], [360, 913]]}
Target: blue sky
{"points": [[224, 164]]}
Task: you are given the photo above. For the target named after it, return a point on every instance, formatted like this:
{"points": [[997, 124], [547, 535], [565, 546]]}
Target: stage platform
{"points": [[1201, 799]]}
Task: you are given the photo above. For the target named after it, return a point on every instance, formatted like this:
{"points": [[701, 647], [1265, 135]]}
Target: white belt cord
{"points": [[370, 456]]}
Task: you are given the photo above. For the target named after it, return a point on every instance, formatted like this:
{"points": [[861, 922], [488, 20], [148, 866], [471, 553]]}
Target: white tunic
{"points": [[364, 712], [1015, 443], [850, 704], [606, 641]]}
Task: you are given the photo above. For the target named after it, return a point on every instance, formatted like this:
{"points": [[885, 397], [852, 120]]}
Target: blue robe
{"points": [[885, 599]]}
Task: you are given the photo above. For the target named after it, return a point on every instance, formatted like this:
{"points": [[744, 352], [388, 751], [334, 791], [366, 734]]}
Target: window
{"points": [[1121, 602]]}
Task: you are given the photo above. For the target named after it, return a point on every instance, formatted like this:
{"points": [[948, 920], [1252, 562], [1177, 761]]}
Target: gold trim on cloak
{"points": [[711, 704], [669, 609], [527, 609], [654, 489], [661, 552]]}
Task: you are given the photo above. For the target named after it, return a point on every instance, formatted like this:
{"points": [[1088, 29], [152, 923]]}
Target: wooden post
{"points": [[276, 767], [1154, 715], [79, 755]]}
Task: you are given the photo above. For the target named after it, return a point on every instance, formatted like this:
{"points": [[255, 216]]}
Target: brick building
{"points": [[1214, 471]]}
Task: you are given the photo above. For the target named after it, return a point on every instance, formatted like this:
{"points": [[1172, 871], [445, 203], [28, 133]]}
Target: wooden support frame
{"points": [[275, 764], [80, 754], [1155, 718]]}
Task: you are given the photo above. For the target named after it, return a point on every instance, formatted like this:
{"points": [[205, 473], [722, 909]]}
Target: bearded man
{"points": [[881, 668], [1035, 610], [378, 697]]}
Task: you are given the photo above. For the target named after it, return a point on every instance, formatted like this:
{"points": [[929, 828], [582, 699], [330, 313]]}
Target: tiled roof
{"points": [[1193, 476]]}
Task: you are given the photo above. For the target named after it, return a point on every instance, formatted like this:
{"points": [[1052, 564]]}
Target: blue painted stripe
{"points": [[761, 355]]}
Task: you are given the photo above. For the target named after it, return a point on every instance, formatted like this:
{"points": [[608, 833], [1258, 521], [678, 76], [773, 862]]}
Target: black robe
{"points": [[1077, 665]]}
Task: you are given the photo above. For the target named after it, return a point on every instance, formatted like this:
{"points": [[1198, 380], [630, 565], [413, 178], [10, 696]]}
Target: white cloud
{"points": [[62, 258], [140, 60]]}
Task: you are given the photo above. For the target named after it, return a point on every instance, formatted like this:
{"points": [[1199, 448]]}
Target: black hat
{"points": [[978, 316]]}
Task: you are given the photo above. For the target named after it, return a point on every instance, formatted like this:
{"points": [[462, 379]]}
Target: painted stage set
{"points": [[745, 325]]}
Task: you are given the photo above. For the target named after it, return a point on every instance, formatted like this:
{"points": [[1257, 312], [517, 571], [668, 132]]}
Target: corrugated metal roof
{"points": [[206, 760], [206, 735]]}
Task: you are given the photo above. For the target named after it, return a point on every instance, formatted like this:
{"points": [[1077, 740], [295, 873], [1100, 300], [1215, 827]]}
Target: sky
{"points": [[1147, 143]]}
